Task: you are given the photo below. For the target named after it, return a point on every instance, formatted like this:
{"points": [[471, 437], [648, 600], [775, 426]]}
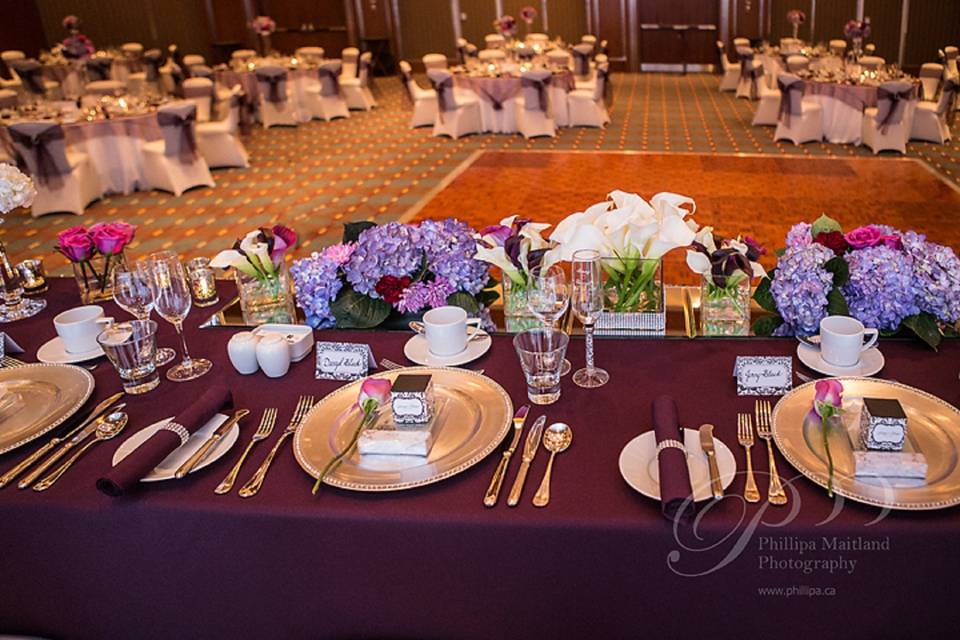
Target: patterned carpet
{"points": [[373, 167]]}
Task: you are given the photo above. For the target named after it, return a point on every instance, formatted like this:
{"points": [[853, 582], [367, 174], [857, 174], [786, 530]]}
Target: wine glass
{"points": [[587, 303], [548, 297], [131, 292], [172, 300]]}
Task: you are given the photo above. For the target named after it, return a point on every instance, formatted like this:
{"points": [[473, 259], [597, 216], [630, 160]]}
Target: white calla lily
{"points": [[231, 258], [698, 262], [258, 253], [497, 256]]}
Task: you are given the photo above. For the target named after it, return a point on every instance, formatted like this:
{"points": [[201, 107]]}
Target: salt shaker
{"points": [[242, 350], [273, 355]]}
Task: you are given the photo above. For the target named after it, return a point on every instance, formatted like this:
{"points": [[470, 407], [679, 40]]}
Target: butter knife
{"points": [[493, 491], [688, 318], [200, 454], [530, 448], [706, 443]]}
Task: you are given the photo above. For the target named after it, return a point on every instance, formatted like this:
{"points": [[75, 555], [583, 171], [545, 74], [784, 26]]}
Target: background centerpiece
{"points": [[796, 18]]}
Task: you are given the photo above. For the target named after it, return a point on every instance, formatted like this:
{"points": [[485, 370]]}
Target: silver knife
{"points": [[706, 443], [493, 491], [529, 451]]}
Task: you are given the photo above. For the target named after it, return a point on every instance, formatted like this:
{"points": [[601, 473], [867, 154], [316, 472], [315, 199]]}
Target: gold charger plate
{"points": [[36, 398], [476, 415], [933, 428]]}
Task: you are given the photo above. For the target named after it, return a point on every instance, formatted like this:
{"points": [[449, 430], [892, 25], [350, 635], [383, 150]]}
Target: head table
{"points": [[174, 560]]}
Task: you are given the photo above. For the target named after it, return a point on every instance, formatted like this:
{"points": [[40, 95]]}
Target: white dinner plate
{"points": [[53, 353], [871, 361], [170, 464], [639, 467], [418, 350]]}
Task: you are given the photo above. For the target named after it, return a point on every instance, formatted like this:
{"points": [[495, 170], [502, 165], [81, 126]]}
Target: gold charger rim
{"points": [[86, 375], [480, 455], [819, 477]]}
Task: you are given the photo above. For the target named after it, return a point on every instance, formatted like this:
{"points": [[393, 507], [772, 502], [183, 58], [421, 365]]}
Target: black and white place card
{"points": [[343, 360], [763, 375]]}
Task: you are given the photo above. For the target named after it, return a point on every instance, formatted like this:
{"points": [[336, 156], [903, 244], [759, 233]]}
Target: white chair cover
{"points": [[797, 63], [490, 55], [424, 101], [201, 92], [731, 70], [799, 121], [581, 59], [325, 100], [930, 75], [348, 62], [872, 63], [174, 164], [434, 61], [838, 47], [534, 118], [455, 117], [494, 41]]}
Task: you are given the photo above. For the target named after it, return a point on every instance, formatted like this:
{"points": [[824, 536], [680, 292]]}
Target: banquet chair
{"points": [[199, 91], [870, 49], [872, 63], [731, 70], [768, 108], [797, 63], [65, 180], [9, 99], [800, 120], [838, 47], [557, 91], [193, 60], [356, 91], [324, 99], [491, 55], [434, 61], [217, 141], [931, 73], [537, 38], [424, 100], [105, 88], [950, 61], [589, 39], [533, 117], [243, 55], [349, 59], [171, 78], [310, 55], [558, 59], [494, 41], [790, 45], [276, 107], [581, 64], [751, 72], [932, 120], [884, 126], [741, 42], [8, 58], [131, 62], [33, 87], [457, 115], [172, 163], [462, 50], [603, 47], [587, 108], [99, 68]]}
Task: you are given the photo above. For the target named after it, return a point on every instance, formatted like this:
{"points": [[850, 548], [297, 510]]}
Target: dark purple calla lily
{"points": [[498, 232]]}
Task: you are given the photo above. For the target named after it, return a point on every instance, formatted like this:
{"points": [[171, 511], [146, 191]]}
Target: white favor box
{"points": [[386, 437], [298, 336]]}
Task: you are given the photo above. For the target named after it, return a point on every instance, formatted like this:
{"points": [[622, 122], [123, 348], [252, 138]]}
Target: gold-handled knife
{"points": [[493, 491], [200, 454], [706, 443], [98, 411], [529, 451], [689, 319]]}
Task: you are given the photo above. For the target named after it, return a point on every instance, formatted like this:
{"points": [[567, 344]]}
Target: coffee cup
{"points": [[79, 327], [843, 339], [445, 329]]}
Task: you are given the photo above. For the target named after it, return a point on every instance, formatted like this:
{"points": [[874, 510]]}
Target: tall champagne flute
{"points": [[173, 299], [548, 297], [587, 303], [132, 293]]}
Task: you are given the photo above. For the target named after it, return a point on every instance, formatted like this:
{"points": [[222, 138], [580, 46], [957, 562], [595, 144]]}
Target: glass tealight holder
{"points": [[32, 276], [203, 282]]}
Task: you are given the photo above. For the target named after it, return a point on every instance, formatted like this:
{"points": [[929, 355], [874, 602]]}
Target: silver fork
{"points": [[775, 492], [263, 431], [253, 485], [745, 438]]}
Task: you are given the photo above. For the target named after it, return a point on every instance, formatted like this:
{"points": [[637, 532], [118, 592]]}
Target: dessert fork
{"points": [[775, 492], [253, 485], [263, 431], [745, 438]]}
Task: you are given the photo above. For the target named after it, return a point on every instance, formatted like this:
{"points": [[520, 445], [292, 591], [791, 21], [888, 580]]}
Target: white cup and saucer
{"points": [[844, 347], [77, 331], [447, 338]]}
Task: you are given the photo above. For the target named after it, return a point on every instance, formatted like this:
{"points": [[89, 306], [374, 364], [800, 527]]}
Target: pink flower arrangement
{"points": [[75, 244], [71, 23], [857, 28], [79, 245], [528, 14], [795, 16], [506, 25], [263, 25], [113, 237]]}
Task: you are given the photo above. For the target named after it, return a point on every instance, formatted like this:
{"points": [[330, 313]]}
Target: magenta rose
{"points": [[111, 238], [867, 236], [75, 244]]}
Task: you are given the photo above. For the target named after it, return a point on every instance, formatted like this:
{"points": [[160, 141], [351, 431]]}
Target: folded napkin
{"points": [[148, 455], [672, 461]]}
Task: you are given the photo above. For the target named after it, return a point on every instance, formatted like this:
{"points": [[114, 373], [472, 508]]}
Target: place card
{"points": [[763, 375], [343, 360]]}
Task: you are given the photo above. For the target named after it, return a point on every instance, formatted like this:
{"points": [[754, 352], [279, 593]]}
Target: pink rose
{"points": [[75, 244], [868, 236], [893, 242], [828, 398], [112, 238], [375, 391]]}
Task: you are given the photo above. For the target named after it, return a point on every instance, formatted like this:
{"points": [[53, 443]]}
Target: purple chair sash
{"points": [[751, 70], [581, 62], [99, 68], [891, 103], [462, 54], [276, 79], [176, 74], [933, 74], [948, 100], [540, 86], [31, 73], [41, 151], [791, 99], [603, 78], [329, 84], [445, 101], [152, 61], [177, 124]]}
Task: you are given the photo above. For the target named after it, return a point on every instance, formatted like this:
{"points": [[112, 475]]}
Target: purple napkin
{"points": [[674, 477], [148, 455]]}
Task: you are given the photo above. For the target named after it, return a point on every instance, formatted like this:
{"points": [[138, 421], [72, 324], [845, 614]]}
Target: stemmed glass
{"points": [[548, 297], [587, 303], [172, 298], [132, 293]]}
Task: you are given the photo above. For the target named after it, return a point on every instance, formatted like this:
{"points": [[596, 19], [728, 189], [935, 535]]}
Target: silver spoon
{"points": [[556, 439], [109, 428]]}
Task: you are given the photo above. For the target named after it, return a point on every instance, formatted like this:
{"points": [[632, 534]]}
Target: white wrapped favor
{"points": [[386, 437]]}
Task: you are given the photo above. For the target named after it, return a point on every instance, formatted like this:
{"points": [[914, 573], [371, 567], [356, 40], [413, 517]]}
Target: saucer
{"points": [[418, 350], [871, 361], [53, 353]]}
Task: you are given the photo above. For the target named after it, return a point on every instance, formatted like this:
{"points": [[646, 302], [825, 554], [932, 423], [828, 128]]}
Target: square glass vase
{"points": [[633, 303], [724, 311], [266, 301]]}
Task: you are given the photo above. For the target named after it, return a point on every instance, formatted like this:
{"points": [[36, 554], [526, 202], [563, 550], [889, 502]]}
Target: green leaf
{"points": [[925, 327], [836, 303], [352, 230], [766, 325], [840, 269], [779, 252], [763, 296], [356, 311], [824, 224], [465, 301]]}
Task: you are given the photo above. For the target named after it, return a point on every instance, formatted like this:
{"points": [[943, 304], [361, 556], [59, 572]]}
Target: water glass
{"points": [[203, 282], [548, 297], [132, 293], [541, 354], [132, 348]]}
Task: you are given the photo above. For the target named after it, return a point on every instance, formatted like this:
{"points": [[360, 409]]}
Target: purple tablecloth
{"points": [[858, 96], [178, 561]]}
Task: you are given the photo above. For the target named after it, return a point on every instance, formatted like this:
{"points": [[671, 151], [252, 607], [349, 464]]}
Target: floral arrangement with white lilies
{"points": [[724, 263], [259, 254], [516, 246]]}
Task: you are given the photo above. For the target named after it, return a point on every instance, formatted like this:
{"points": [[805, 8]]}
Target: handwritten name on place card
{"points": [[343, 360], [763, 375]]}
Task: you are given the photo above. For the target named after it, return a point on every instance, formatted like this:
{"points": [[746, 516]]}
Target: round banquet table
{"points": [[496, 91], [843, 106], [299, 80]]}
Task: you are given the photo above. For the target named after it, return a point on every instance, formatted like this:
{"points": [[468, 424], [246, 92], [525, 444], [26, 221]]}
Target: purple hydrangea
{"points": [[392, 249], [881, 290], [800, 288], [799, 235], [317, 283], [425, 295], [936, 277], [450, 247]]}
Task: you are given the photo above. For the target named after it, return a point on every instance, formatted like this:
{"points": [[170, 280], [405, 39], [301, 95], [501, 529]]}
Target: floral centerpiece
{"points": [[75, 46], [796, 18], [887, 279], [726, 267], [390, 271], [528, 14], [506, 26], [16, 189], [95, 254], [264, 26], [263, 281], [856, 31]]}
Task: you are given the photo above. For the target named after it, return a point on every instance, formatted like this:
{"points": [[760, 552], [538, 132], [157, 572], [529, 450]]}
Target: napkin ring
{"points": [[670, 443], [179, 430]]}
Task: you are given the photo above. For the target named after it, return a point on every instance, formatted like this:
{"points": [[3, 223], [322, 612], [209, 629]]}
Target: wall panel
{"points": [[933, 25], [22, 27], [885, 18], [567, 18], [480, 16], [832, 15], [426, 26]]}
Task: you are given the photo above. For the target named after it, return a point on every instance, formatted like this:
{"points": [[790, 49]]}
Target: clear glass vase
{"points": [[724, 311], [95, 277], [269, 300], [633, 297], [517, 316]]}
